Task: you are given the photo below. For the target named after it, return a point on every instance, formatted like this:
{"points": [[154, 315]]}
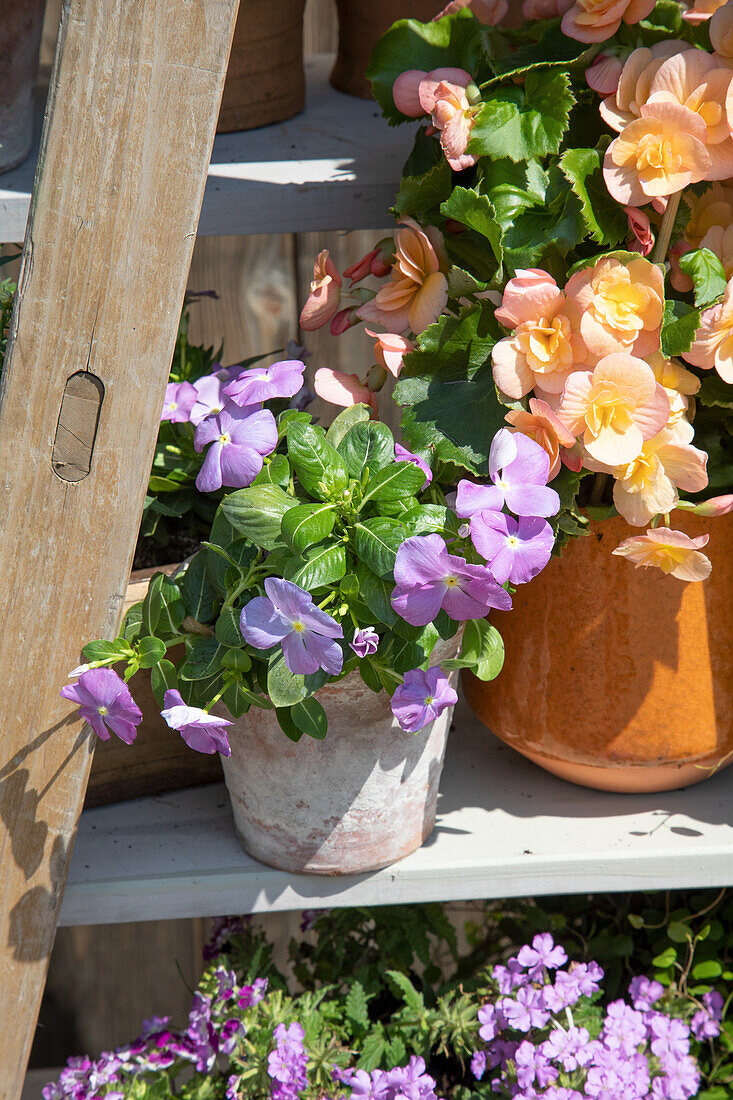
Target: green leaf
{"points": [[318, 566], [707, 273], [199, 594], [411, 996], [372, 1050], [431, 518], [238, 660], [163, 677], [376, 593], [707, 970], [715, 392], [150, 651], [667, 958], [117, 650], [553, 49], [376, 542], [476, 212], [524, 123], [236, 698], [163, 608], [274, 472], [203, 660], [679, 326], [679, 932], [287, 725], [310, 717], [227, 628], [482, 650], [284, 688], [421, 195], [394, 482], [320, 468], [453, 42], [604, 219], [348, 418], [367, 446], [448, 373], [307, 524], [257, 513], [355, 1005]]}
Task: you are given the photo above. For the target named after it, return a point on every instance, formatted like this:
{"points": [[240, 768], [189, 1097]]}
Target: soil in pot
{"points": [[360, 799], [618, 678], [361, 24], [20, 41], [265, 80]]}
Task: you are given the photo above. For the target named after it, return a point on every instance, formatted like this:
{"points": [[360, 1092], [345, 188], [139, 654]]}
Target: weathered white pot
{"points": [[360, 799]]}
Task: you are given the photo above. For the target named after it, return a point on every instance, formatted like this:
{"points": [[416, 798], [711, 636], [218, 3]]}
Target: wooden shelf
{"points": [[335, 166], [505, 829]]}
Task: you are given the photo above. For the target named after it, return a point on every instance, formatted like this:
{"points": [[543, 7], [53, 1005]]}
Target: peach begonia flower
{"points": [[635, 82], [702, 10], [694, 80], [389, 350], [713, 343], [721, 31], [417, 291], [679, 385], [541, 9], [490, 12], [325, 293], [546, 428], [597, 20], [614, 409], [545, 346], [657, 155], [343, 389], [640, 226], [455, 117], [620, 305], [673, 552], [406, 88], [604, 74], [715, 506]]}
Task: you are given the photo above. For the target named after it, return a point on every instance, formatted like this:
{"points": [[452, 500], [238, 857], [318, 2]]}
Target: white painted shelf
{"points": [[335, 166], [505, 828]]}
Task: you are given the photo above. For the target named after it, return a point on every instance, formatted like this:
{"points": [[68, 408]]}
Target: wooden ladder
{"points": [[128, 132]]}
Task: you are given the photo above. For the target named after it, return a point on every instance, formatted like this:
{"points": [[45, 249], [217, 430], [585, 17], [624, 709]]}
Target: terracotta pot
{"points": [[615, 677], [265, 80], [20, 41], [361, 24], [160, 760], [359, 800]]}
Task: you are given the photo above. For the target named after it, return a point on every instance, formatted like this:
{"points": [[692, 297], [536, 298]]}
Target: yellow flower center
{"points": [[608, 410], [101, 710], [640, 473], [546, 344], [298, 626], [451, 582], [429, 700], [224, 438], [619, 303]]}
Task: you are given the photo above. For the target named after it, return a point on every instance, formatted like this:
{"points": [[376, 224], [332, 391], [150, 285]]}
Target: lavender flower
{"points": [[201, 731], [239, 441], [403, 455], [569, 1048], [180, 398], [421, 698], [251, 995], [544, 954], [515, 550], [210, 399], [288, 616], [282, 379], [705, 1024], [644, 992], [428, 578], [105, 702], [287, 1063], [519, 469], [365, 641], [478, 1064]]}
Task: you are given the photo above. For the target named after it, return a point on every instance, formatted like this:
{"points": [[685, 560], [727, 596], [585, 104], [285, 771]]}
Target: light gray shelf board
{"points": [[505, 829], [335, 166]]}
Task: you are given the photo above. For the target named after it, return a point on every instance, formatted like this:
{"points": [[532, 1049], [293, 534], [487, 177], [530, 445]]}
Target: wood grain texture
{"points": [[107, 249]]}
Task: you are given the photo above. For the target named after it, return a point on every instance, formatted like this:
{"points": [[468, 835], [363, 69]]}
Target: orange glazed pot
{"points": [[615, 677]]}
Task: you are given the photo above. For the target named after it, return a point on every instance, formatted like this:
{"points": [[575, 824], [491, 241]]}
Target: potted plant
{"points": [[330, 597], [561, 269]]}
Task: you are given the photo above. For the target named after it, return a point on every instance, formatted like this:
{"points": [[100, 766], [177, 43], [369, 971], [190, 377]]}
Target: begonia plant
{"points": [[563, 259]]}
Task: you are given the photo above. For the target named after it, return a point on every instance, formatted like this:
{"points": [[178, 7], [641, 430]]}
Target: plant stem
{"points": [[659, 253], [599, 486]]}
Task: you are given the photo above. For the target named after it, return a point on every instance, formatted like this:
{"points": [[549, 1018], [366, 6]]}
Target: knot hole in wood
{"points": [[76, 430]]}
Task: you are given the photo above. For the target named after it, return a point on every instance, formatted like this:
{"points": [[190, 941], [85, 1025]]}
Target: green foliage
{"points": [[707, 273], [604, 220], [679, 326], [524, 122]]}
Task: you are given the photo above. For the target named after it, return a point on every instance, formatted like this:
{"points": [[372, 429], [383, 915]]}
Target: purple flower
{"points": [[287, 615], [210, 400], [180, 398], [669, 1037], [421, 698], [287, 1063], [106, 704], [282, 379], [569, 1048], [681, 1080], [428, 578], [365, 641], [201, 731], [251, 995], [478, 1064], [519, 469], [704, 1026], [510, 977], [543, 954], [403, 455], [515, 550], [490, 1021], [644, 992], [238, 443], [525, 1010]]}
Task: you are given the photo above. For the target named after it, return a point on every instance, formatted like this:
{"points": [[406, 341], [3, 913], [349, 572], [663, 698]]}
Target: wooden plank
{"points": [[505, 828], [131, 116]]}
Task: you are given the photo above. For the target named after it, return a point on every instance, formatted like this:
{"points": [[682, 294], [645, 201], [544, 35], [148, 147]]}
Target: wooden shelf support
{"points": [[127, 138]]}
